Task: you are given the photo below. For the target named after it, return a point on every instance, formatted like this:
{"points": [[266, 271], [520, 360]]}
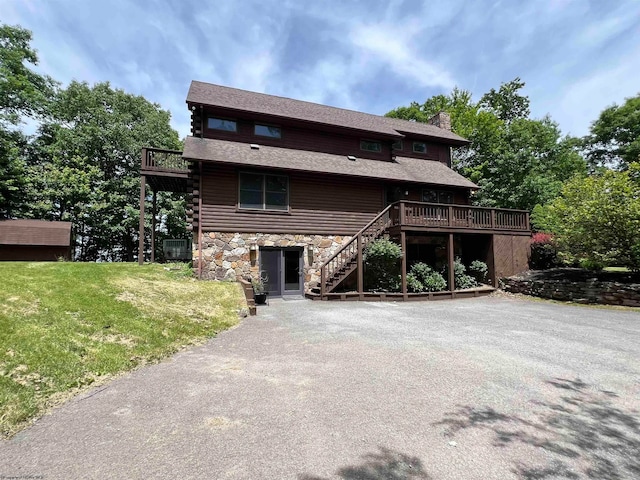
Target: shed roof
{"points": [[404, 169], [244, 101], [35, 232]]}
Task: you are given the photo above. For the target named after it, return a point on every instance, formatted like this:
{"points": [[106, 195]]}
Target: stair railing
{"points": [[353, 249]]}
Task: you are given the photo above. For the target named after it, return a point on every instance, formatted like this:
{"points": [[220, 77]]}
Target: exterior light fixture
{"points": [[352, 158], [255, 146]]}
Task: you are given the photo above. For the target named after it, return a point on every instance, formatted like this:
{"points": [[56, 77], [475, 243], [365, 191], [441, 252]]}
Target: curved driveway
{"points": [[488, 388]]}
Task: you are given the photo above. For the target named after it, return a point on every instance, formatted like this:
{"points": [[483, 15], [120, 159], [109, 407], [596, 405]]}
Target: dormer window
{"points": [[370, 146], [397, 145], [419, 147], [222, 124], [267, 131]]}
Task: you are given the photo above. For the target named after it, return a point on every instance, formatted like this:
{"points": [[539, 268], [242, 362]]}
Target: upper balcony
{"points": [[165, 170], [433, 217]]}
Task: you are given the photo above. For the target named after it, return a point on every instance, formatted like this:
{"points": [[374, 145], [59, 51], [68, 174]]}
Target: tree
{"points": [[22, 93], [518, 162], [506, 103], [596, 219], [85, 163], [615, 136]]}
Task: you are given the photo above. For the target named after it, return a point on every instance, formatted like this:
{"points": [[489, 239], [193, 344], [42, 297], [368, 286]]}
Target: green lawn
{"points": [[64, 326]]}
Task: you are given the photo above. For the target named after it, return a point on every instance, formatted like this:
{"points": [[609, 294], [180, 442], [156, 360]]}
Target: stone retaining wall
{"points": [[587, 291], [232, 256]]}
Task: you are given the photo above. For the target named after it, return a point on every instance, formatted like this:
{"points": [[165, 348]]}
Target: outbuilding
{"points": [[34, 240]]}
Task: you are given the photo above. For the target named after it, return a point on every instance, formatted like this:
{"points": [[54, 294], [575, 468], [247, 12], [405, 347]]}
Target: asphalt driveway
{"points": [[488, 388]]}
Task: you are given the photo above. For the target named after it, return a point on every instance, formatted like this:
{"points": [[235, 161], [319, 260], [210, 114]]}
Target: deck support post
{"points": [[143, 184], [153, 227], [403, 245], [450, 254], [200, 172], [360, 269]]}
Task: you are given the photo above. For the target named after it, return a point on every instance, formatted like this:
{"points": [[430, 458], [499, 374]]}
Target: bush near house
{"points": [[544, 252], [382, 266], [423, 278]]}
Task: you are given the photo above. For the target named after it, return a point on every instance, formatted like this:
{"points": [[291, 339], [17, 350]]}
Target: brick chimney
{"points": [[442, 120]]}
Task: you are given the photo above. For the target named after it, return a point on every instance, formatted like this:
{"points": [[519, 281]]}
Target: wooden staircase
{"points": [[349, 258]]}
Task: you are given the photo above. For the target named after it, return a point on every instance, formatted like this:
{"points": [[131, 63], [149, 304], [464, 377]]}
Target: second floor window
{"points": [[264, 192], [267, 131], [419, 147], [370, 146], [397, 145], [437, 196], [222, 124]]}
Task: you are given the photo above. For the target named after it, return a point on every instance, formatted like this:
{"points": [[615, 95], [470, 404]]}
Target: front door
{"points": [[281, 270]]}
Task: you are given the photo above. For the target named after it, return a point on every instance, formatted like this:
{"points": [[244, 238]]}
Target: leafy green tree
{"points": [[614, 140], [22, 93], [87, 164], [506, 103], [596, 219], [518, 162]]}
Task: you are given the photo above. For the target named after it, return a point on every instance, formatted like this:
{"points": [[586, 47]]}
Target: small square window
{"points": [[419, 147], [222, 124], [370, 146], [267, 131], [397, 145]]}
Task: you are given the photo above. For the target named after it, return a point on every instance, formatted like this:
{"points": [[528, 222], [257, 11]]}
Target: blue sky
{"points": [[576, 56]]}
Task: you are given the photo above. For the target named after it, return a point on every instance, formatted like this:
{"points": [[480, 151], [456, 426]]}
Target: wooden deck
{"points": [[419, 216], [400, 297]]}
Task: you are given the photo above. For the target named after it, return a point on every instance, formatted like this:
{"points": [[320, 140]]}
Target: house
{"points": [[293, 191], [34, 240]]}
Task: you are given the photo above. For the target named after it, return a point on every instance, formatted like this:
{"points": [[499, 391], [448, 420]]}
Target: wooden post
{"points": [[403, 244], [450, 224], [360, 268], [200, 217], [493, 219], [452, 283], [153, 227], [527, 225], [143, 185], [402, 214], [322, 282]]}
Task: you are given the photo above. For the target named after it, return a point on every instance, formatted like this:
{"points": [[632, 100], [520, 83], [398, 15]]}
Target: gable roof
{"points": [[404, 169], [202, 93], [35, 232]]}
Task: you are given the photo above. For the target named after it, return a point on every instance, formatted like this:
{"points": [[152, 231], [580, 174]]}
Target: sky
{"points": [[576, 56]]}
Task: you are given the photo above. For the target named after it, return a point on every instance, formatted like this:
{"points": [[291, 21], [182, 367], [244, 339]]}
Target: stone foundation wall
{"points": [[232, 256], [589, 291]]}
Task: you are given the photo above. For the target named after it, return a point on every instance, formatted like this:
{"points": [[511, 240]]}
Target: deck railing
{"points": [[158, 159], [458, 216]]}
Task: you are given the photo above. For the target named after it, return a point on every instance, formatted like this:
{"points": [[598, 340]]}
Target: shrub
{"points": [[423, 278], [382, 265], [413, 284], [479, 271], [461, 279], [544, 253]]}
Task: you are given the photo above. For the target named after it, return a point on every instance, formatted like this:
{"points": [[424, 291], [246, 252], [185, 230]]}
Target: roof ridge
{"points": [[390, 125]]}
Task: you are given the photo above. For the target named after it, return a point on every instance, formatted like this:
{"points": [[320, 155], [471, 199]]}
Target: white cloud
{"points": [[391, 47]]}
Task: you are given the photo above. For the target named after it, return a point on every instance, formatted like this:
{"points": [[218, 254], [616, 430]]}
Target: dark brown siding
{"points": [[297, 137], [511, 253], [435, 151], [32, 253], [319, 204]]}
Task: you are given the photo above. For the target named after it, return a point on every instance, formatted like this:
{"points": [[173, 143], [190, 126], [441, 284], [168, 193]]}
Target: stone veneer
{"points": [[232, 256], [584, 291]]}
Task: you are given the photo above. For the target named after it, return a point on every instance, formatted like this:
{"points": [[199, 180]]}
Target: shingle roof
{"points": [[245, 101], [403, 169], [35, 232]]}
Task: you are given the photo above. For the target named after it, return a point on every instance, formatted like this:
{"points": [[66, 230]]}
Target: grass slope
{"points": [[64, 326]]}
